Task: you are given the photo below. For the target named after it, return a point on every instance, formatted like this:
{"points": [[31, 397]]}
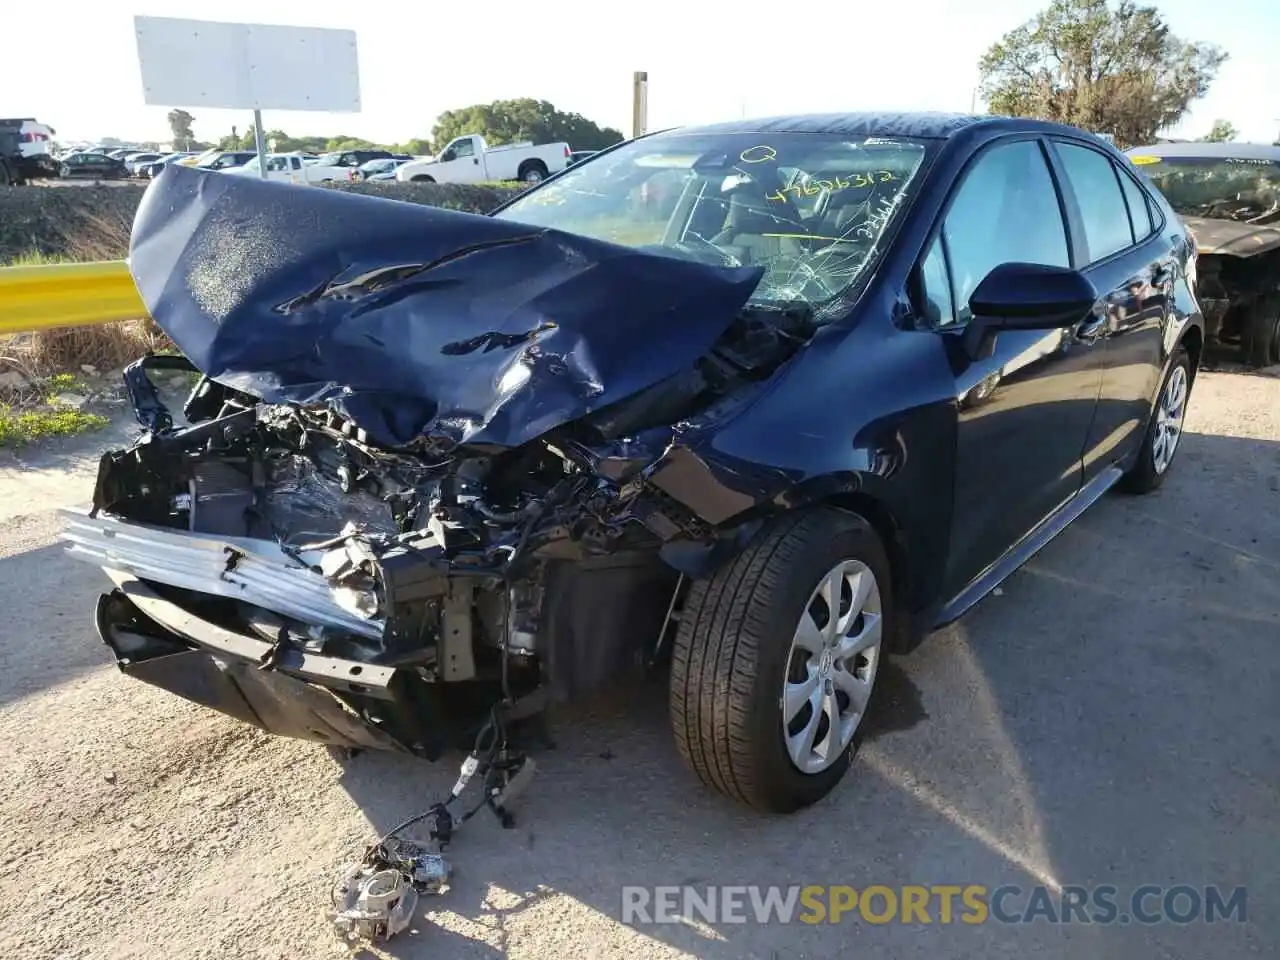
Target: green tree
{"points": [[507, 121], [343, 142], [283, 143], [1116, 70], [1222, 131], [415, 147], [180, 126]]}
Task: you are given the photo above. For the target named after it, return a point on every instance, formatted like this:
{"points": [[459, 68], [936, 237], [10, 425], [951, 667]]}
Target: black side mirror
{"points": [[1032, 296], [1026, 296]]}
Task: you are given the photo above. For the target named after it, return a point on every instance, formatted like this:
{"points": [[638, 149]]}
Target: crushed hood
{"points": [[415, 321], [1232, 237]]}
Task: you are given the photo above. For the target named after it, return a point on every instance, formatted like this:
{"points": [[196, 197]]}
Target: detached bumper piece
{"points": [[258, 572]]}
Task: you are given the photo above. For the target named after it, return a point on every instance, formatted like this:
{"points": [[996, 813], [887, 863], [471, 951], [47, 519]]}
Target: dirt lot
{"points": [[1110, 717]]}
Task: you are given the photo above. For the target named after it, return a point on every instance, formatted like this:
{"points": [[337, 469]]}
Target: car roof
{"points": [[917, 125], [1226, 151]]}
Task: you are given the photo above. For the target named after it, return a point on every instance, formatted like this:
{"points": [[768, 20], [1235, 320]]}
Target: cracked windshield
{"points": [[810, 209], [1235, 189]]}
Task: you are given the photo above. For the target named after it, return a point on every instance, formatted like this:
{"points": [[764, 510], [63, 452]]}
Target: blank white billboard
{"points": [[247, 66]]}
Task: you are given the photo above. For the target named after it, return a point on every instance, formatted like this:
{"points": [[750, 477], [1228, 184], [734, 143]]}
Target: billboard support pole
{"points": [[639, 103], [260, 142]]}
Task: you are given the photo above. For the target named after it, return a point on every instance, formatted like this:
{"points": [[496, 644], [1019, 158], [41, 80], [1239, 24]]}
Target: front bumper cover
{"points": [[288, 692]]}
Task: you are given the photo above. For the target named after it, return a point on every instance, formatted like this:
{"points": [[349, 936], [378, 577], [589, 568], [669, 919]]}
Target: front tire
{"points": [[1164, 429], [769, 691]]}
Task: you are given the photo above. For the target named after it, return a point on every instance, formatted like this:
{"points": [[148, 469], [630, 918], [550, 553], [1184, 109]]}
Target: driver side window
{"points": [[1006, 210]]}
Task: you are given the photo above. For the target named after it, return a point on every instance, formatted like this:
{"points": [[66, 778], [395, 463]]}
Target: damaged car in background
{"points": [[1228, 194], [765, 401]]}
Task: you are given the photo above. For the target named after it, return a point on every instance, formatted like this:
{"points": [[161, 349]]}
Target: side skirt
{"points": [[1028, 546]]}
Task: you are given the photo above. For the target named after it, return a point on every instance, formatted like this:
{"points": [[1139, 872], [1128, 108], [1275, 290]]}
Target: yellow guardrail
{"points": [[67, 295]]}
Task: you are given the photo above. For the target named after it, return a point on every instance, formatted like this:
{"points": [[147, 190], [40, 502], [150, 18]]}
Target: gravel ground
{"points": [[1110, 717]]}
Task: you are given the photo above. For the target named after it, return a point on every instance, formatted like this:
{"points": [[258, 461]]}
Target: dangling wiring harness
{"points": [[375, 898]]}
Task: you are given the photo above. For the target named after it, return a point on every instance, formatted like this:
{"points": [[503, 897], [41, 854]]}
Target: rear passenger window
{"points": [[1006, 211], [1094, 179], [1139, 211]]}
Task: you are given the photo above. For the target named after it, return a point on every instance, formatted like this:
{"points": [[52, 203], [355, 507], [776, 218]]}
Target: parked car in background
{"points": [[194, 160], [224, 159], [854, 371], [92, 165], [470, 159], [287, 167], [135, 161], [378, 165], [280, 166], [1228, 194], [339, 164], [150, 170], [577, 156]]}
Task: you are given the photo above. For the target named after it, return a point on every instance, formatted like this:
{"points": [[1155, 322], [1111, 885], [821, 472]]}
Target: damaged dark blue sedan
{"points": [[768, 400]]}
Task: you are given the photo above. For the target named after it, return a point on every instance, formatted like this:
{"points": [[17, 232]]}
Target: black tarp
{"points": [[415, 320]]}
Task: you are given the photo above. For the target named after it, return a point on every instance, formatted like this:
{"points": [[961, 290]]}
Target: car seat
{"points": [[756, 229]]}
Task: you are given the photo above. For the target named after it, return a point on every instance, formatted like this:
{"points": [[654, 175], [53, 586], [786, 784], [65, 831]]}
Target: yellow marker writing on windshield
{"points": [[762, 153], [815, 187], [1144, 160]]}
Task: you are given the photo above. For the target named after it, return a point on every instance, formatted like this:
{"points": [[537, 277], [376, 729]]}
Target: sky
{"points": [[706, 61]]}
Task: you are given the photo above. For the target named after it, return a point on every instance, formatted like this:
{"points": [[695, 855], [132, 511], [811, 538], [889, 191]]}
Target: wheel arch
{"points": [[850, 495], [1193, 339]]}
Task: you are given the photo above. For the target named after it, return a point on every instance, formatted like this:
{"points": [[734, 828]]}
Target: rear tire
{"points": [[738, 657], [1154, 459], [422, 178], [533, 172], [1260, 333]]}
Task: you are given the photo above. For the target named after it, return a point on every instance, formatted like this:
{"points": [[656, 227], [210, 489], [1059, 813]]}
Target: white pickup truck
{"points": [[470, 160], [290, 167]]}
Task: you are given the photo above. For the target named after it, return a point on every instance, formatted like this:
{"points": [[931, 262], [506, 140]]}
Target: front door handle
{"points": [[476, 161]]}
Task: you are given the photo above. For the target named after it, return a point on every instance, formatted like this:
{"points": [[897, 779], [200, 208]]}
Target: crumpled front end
{"points": [[428, 467]]}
